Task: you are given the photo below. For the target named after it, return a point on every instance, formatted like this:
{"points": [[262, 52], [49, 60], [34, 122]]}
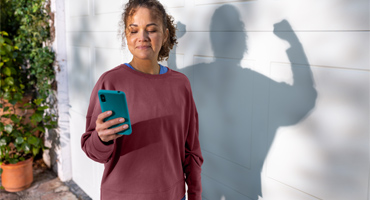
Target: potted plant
{"points": [[27, 79]]}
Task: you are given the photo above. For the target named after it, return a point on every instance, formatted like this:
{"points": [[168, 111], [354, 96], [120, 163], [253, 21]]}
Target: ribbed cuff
{"points": [[106, 147]]}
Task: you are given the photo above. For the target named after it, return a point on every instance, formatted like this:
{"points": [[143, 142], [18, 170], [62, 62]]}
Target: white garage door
{"points": [[281, 87]]}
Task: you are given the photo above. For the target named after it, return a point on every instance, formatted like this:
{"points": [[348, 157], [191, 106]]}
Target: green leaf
{"points": [[27, 104], [9, 81], [35, 150], [6, 108], [6, 116], [13, 71], [19, 147], [42, 108], [26, 147], [1, 64], [3, 142], [49, 126], [41, 129], [7, 40], [6, 59], [38, 101], [13, 101], [35, 8], [18, 96], [5, 87], [13, 160], [15, 119], [19, 140], [7, 139], [33, 140], [7, 71], [1, 126], [37, 117], [16, 133], [8, 128]]}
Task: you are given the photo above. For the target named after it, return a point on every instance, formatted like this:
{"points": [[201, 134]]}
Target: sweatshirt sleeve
{"points": [[91, 144], [193, 155]]}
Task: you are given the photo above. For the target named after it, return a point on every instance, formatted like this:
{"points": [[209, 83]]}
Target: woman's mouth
{"points": [[143, 47]]}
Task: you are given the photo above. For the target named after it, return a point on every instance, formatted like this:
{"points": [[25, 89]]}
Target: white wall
{"points": [[58, 156], [306, 139]]}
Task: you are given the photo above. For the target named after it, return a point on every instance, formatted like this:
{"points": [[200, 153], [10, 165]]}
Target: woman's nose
{"points": [[143, 36]]}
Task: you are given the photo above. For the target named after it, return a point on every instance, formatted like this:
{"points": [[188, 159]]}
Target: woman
{"points": [[163, 151]]}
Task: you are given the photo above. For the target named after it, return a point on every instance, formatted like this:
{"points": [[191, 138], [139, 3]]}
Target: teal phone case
{"points": [[115, 101]]}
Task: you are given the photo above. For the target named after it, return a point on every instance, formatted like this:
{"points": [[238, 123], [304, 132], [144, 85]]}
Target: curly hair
{"points": [[160, 12]]}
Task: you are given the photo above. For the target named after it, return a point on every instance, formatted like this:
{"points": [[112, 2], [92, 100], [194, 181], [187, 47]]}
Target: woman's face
{"points": [[145, 35]]}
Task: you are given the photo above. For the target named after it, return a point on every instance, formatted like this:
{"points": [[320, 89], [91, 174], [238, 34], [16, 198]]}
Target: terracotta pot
{"points": [[17, 177]]}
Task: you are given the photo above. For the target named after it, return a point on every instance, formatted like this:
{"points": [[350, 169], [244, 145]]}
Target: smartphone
{"points": [[115, 101]]}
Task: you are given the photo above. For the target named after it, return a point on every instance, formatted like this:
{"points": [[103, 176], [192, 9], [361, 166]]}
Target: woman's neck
{"points": [[145, 66]]}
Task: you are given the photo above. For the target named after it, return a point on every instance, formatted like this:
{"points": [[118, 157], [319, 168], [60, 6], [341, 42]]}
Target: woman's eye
{"points": [[152, 31], [132, 32]]}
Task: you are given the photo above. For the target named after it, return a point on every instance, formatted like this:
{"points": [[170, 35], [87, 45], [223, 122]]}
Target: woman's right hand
{"points": [[106, 134]]}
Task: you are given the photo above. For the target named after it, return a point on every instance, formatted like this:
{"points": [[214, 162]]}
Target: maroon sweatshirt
{"points": [[163, 150]]}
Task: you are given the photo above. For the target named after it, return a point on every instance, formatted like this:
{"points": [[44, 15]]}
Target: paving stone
{"points": [[62, 188], [29, 198], [8, 196], [49, 186], [28, 191], [50, 196], [29, 194], [59, 196], [44, 175]]}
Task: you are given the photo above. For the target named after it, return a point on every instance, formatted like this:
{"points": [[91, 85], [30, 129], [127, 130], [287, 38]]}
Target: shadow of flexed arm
{"points": [[292, 102]]}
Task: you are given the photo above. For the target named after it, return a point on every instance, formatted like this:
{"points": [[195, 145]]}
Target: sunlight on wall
{"points": [[306, 109]]}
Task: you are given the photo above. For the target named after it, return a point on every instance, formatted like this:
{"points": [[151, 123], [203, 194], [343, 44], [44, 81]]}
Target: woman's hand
{"points": [[106, 134]]}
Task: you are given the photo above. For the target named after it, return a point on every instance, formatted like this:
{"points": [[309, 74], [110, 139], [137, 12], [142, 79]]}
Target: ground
{"points": [[46, 185]]}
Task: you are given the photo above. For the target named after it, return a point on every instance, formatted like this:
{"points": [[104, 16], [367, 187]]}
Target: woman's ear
{"points": [[166, 35]]}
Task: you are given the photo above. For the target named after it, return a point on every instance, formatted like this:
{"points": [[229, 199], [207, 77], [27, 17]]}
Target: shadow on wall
{"points": [[240, 110], [52, 137]]}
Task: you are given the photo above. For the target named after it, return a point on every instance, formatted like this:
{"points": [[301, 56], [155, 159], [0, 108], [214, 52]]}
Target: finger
{"points": [[112, 122], [100, 127], [103, 115], [113, 131], [112, 137], [111, 134]]}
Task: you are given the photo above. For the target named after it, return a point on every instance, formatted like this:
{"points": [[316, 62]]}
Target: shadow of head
{"points": [[227, 33]]}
